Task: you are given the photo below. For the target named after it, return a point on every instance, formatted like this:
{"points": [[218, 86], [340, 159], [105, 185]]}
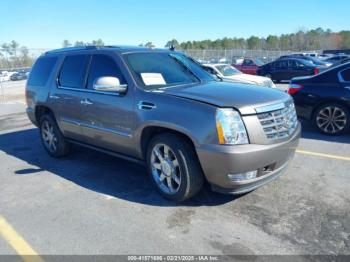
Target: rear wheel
{"points": [[52, 138], [174, 167], [332, 119]]}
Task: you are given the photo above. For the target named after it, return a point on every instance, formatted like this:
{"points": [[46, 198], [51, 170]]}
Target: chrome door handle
{"points": [[54, 97], [86, 102]]}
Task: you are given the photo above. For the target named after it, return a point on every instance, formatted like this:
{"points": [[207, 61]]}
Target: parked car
{"points": [[228, 72], [161, 108], [6, 76], [287, 68], [249, 66], [19, 76], [324, 99], [336, 58], [311, 59]]}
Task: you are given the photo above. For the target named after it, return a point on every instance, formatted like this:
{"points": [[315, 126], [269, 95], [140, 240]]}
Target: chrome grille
{"points": [[279, 123]]}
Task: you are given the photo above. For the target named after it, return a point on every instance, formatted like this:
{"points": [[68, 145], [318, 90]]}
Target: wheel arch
{"points": [[148, 132], [41, 110], [328, 101]]}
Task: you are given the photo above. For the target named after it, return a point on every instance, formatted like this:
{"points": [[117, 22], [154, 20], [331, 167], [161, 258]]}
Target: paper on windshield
{"points": [[153, 79]]}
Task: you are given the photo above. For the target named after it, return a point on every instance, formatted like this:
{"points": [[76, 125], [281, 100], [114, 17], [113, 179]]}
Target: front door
{"points": [[108, 121]]}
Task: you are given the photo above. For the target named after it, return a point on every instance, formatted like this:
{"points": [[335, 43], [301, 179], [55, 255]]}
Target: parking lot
{"points": [[91, 203]]}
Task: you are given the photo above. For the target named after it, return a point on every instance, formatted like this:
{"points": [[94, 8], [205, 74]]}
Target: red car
{"points": [[249, 66]]}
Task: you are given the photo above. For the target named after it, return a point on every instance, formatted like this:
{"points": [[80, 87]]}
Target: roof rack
{"points": [[75, 48]]}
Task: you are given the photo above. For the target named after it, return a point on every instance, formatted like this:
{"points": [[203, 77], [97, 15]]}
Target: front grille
{"points": [[279, 123]]}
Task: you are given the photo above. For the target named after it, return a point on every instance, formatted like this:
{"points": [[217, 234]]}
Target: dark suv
{"points": [[160, 107]]}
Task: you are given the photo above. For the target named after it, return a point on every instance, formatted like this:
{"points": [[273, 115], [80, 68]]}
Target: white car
{"points": [[229, 73], [6, 76]]}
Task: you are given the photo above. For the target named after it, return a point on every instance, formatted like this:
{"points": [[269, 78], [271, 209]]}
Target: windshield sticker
{"points": [[153, 79]]}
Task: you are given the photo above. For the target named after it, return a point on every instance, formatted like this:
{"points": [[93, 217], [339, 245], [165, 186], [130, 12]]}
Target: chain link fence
{"points": [[12, 59], [231, 56]]}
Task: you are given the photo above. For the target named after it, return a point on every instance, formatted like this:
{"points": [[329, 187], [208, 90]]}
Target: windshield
{"points": [[316, 61], [258, 62], [307, 62], [163, 69], [227, 70]]}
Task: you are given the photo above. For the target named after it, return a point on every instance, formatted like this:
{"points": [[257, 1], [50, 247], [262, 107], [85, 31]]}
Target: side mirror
{"points": [[109, 84]]}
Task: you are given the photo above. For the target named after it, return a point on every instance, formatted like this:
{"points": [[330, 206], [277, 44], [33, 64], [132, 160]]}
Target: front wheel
{"points": [[174, 167], [332, 119]]}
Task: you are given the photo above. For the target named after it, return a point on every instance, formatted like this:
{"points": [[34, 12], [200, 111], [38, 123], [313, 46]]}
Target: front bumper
{"points": [[218, 161]]}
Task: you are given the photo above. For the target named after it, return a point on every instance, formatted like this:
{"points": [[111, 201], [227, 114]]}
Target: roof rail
{"points": [[75, 48]]}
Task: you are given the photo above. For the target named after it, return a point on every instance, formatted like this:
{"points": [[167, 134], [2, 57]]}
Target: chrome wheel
{"points": [[49, 137], [331, 119], [165, 169]]}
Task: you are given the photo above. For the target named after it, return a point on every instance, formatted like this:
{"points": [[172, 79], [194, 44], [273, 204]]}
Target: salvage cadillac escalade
{"points": [[161, 108]]}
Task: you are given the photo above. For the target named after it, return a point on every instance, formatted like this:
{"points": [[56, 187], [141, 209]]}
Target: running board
{"points": [[108, 152]]}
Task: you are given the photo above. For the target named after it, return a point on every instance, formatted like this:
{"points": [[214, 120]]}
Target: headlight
{"points": [[230, 127], [269, 83]]}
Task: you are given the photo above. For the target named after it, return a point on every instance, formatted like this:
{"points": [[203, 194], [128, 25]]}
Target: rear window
{"points": [[41, 71], [73, 71]]}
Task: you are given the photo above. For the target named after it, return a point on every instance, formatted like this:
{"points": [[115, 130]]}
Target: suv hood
{"points": [[242, 97]]}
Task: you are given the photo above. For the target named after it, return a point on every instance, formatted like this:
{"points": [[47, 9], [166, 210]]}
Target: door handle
{"points": [[54, 97], [86, 102]]}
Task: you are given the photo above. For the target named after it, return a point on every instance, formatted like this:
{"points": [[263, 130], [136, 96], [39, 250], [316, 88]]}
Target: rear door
{"points": [[108, 122], [67, 95], [281, 70], [294, 69]]}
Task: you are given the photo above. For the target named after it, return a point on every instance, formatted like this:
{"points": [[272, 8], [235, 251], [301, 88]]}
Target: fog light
{"points": [[243, 176]]}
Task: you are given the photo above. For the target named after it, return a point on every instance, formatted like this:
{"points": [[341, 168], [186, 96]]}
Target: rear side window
{"points": [[73, 71], [292, 63], [41, 71], [282, 64], [103, 65], [346, 75]]}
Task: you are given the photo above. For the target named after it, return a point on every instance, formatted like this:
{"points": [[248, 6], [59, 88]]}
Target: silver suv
{"points": [[161, 108]]}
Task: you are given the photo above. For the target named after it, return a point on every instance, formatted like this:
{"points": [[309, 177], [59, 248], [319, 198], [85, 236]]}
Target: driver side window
{"points": [[103, 65], [248, 62]]}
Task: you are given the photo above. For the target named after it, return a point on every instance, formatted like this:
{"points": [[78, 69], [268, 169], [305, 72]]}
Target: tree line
{"points": [[302, 40], [13, 55]]}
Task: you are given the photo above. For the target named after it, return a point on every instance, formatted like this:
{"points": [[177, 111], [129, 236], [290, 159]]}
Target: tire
{"points": [[180, 165], [332, 119], [52, 138]]}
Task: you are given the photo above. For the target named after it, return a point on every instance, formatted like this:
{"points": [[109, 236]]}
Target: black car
{"points": [[287, 68], [313, 60], [324, 99]]}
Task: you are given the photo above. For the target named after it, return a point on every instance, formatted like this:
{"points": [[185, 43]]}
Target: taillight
{"points": [[316, 71], [293, 88]]}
